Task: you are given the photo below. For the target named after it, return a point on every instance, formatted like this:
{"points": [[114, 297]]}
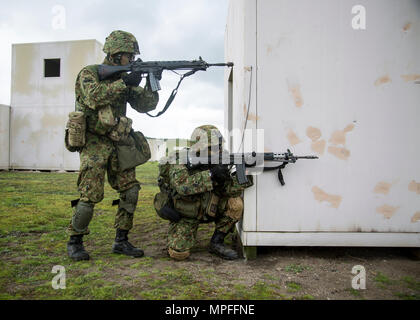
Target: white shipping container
{"points": [[337, 79]]}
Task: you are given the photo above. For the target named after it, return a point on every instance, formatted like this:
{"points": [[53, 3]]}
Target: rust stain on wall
{"points": [[410, 77], [313, 133], [321, 196], [407, 26], [318, 146], [293, 138], [296, 94], [339, 136], [382, 187], [414, 186], [382, 80], [253, 117], [341, 153], [416, 217], [387, 210]]}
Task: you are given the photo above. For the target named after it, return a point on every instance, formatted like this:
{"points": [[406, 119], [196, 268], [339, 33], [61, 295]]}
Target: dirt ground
{"points": [[306, 272]]}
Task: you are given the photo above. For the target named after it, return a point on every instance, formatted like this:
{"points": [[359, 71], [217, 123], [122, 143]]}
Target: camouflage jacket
{"points": [[92, 95]]}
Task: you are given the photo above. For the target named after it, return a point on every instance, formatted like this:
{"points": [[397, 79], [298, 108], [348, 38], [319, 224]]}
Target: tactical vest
{"points": [[100, 121]]}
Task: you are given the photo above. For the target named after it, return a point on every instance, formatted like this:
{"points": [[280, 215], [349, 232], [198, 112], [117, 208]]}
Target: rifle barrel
{"points": [[228, 64]]}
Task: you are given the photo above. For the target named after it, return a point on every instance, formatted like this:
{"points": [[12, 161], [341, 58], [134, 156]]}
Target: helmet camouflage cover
{"points": [[121, 41], [206, 136]]}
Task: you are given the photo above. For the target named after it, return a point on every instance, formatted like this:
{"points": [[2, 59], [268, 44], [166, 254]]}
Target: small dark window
{"points": [[51, 68]]}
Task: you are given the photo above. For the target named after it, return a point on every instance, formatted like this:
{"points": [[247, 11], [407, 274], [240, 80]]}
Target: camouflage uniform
{"points": [[98, 156], [191, 192], [195, 187]]}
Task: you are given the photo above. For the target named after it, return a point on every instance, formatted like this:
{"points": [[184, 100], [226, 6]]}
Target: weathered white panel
{"points": [[242, 28], [348, 96], [40, 105], [4, 136], [345, 239]]}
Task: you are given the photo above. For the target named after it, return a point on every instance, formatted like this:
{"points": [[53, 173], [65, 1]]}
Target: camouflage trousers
{"points": [[182, 234], [98, 157]]}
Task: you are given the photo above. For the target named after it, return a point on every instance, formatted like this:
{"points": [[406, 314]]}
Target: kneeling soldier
{"points": [[206, 193]]}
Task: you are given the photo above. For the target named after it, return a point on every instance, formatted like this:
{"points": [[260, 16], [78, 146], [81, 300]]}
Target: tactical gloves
{"points": [[132, 79], [219, 173]]}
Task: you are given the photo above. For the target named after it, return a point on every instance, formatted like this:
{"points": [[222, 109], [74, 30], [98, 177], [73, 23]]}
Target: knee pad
{"points": [[129, 199], [82, 216], [235, 208], [178, 255]]}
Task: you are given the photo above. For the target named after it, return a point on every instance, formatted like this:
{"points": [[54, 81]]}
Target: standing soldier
{"points": [[208, 193], [103, 105]]}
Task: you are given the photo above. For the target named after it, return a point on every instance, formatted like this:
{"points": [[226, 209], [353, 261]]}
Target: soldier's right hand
{"points": [[132, 79]]}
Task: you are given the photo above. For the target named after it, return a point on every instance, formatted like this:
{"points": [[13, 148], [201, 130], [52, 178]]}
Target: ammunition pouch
{"points": [[106, 121], [122, 130], [210, 204], [75, 134], [132, 151]]}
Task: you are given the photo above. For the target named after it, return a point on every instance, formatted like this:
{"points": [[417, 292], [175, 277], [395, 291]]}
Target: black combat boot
{"points": [[122, 246], [218, 247], [75, 248]]}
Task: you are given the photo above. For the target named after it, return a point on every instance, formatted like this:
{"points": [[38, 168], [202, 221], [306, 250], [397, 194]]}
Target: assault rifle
{"points": [[243, 160], [153, 69]]}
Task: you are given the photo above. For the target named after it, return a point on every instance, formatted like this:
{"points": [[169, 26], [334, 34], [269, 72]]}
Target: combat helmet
{"points": [[121, 41], [204, 137]]}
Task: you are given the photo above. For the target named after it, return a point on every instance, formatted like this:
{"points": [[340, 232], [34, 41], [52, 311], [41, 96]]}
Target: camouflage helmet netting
{"points": [[198, 137], [121, 41]]}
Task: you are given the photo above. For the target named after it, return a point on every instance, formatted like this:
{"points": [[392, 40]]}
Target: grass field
{"points": [[35, 212]]}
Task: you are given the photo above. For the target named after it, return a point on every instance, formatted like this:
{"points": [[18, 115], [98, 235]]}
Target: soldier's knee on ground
{"points": [[177, 255], [82, 216], [235, 208], [129, 198]]}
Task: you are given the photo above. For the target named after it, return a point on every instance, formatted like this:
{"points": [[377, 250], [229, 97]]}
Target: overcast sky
{"points": [[165, 30]]}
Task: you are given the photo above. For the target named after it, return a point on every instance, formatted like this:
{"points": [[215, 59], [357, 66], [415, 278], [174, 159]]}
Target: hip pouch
{"points": [[132, 151], [188, 208], [121, 131], [106, 120], [75, 135], [164, 208]]}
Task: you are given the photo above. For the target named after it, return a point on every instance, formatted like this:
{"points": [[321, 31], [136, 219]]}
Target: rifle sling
{"points": [[172, 96], [279, 173]]}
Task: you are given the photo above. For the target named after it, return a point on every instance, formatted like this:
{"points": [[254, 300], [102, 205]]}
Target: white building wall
{"points": [[4, 136], [348, 96], [157, 148], [40, 105]]}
